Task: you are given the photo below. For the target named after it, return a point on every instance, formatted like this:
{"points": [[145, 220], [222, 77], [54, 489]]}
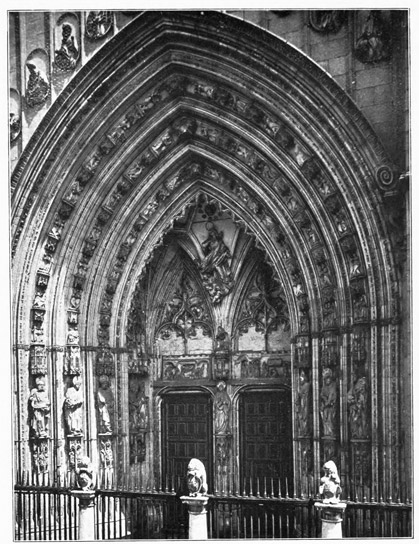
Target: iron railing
{"points": [[133, 514], [46, 511]]}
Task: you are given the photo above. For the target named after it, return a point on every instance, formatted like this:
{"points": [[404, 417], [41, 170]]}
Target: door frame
{"points": [[182, 392], [239, 398]]}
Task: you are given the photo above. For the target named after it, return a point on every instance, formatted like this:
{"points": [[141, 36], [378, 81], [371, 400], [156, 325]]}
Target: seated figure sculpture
{"points": [[197, 478], [330, 489]]}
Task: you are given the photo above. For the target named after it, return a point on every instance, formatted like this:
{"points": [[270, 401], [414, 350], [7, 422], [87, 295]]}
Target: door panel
{"points": [[266, 439], [186, 434]]}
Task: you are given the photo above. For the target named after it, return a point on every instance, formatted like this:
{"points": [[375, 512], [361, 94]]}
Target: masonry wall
{"points": [[380, 89]]}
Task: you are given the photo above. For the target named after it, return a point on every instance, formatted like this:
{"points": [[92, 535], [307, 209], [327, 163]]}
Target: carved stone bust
{"points": [[197, 478], [330, 489]]}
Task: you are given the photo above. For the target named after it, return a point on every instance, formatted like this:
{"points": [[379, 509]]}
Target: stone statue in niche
{"points": [[357, 406], [105, 404], [222, 340], [354, 265], [106, 454], [98, 24], [197, 478], [40, 453], [215, 266], [40, 408], [73, 407], [303, 404], [328, 403], [361, 309], [138, 409], [222, 406], [14, 126], [221, 455], [37, 88], [374, 43], [327, 20], [330, 489], [66, 57]]}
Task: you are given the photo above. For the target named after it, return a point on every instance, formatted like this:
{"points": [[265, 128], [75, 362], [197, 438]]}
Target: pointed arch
{"points": [[175, 106]]}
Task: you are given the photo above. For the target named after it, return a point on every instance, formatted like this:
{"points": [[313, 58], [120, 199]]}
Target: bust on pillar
{"points": [[331, 508], [86, 496], [197, 500]]}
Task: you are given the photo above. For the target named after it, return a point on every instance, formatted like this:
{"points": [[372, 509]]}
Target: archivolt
{"points": [[182, 103]]}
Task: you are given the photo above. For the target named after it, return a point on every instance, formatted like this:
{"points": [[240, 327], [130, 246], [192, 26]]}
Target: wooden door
{"points": [[187, 434], [266, 441]]}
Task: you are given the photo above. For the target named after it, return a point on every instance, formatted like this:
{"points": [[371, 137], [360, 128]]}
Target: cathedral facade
{"points": [[210, 247]]}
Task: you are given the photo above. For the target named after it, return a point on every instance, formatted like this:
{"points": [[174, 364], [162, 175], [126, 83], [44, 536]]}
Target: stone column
{"points": [[331, 516], [197, 517], [86, 514]]}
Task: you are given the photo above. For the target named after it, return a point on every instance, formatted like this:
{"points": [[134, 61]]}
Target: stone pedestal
{"points": [[197, 517], [331, 516], [86, 514]]}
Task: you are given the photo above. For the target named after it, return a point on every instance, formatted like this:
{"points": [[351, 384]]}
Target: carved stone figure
{"points": [[66, 57], [373, 45], [222, 340], [138, 409], [40, 456], [327, 20], [85, 474], [105, 404], [40, 408], [106, 454], [303, 405], [330, 489], [361, 308], [328, 403], [197, 478], [222, 406], [73, 407], [14, 126], [37, 89], [215, 267], [98, 24], [357, 405]]}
